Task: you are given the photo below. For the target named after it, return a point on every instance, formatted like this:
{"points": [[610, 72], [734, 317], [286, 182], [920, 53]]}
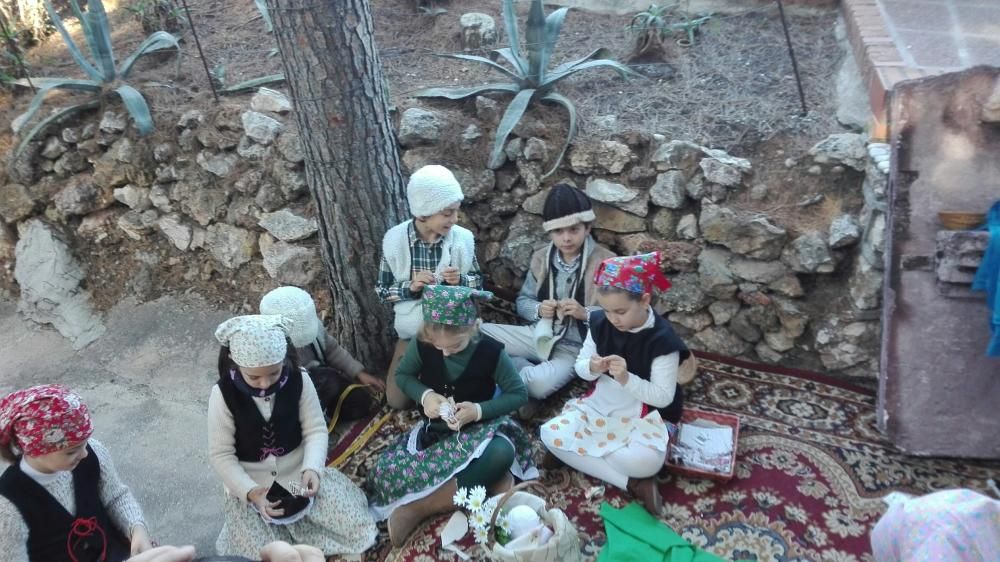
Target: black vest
{"points": [[52, 530], [257, 438], [544, 292], [476, 383], [639, 349]]}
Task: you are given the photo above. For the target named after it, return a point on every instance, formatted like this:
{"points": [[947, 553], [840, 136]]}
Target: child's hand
{"points": [[570, 307], [279, 551], [310, 483], [451, 275], [258, 497], [548, 309], [165, 554], [465, 413], [432, 405], [617, 368], [420, 280], [140, 540], [371, 380], [598, 364]]}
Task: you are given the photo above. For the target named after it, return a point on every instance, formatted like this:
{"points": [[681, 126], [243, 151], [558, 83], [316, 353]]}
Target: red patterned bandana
{"points": [[635, 274], [43, 419]]}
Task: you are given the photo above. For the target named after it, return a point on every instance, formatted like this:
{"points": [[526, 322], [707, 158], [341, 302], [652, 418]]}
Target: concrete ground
{"points": [[147, 382]]}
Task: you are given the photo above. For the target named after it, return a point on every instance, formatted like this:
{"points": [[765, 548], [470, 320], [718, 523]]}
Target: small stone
{"points": [[470, 136], [54, 148], [695, 322], [514, 148], [844, 231], [289, 178], [793, 319], [669, 190], [677, 155], [82, 196], [687, 227], [758, 271], [289, 264], [866, 286], [269, 197], [15, 203], [70, 135], [841, 148], [478, 30], [113, 122], [210, 137], [288, 226], [243, 212], [718, 339], [72, 162], [175, 230], [747, 234], [419, 127], [476, 186], [190, 119], [188, 140], [8, 241], [290, 146], [135, 198], [219, 164], [714, 273], [230, 246], [665, 223], [618, 195], [685, 295], [487, 109], [249, 150], [767, 354], [719, 172], [758, 192], [742, 325], [809, 253], [790, 163], [788, 285], [135, 224], [167, 174], [535, 203], [639, 173], [837, 170], [605, 156], [206, 205], [260, 127], [779, 341], [536, 149], [723, 311], [97, 226], [159, 198], [270, 100], [164, 151], [616, 220]]}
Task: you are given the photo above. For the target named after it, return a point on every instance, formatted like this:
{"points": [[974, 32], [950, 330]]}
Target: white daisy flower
{"points": [[479, 520], [461, 498], [476, 498], [503, 523], [482, 536]]}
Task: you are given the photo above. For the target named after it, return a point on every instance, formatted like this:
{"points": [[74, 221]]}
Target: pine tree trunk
{"points": [[351, 158]]}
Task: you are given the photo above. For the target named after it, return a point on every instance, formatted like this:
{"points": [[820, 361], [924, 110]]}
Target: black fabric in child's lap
{"points": [[287, 501], [52, 530]]}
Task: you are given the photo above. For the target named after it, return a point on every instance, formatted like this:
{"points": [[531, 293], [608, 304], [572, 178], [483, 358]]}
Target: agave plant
{"points": [[103, 76], [531, 79]]}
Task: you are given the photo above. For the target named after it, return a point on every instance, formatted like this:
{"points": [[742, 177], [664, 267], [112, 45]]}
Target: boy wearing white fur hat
{"points": [[426, 250]]}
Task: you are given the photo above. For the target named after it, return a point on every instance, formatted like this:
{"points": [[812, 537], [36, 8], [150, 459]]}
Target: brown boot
{"points": [[405, 518], [501, 486], [647, 492]]}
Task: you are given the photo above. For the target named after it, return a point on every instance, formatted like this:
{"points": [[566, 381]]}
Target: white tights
{"points": [[615, 468]]}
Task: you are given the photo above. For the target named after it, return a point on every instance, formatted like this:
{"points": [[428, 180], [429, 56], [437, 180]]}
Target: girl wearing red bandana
{"points": [[61, 499], [617, 432]]}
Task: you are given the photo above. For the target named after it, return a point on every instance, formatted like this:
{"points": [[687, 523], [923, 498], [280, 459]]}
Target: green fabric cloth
{"points": [[513, 393], [636, 536], [452, 305]]}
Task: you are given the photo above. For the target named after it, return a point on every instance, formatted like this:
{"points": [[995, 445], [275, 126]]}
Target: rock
{"points": [[199, 237], [97, 226], [809, 253], [536, 203], [164, 152], [694, 322], [615, 220], [640, 173], [51, 284], [249, 150], [873, 241], [110, 173], [536, 149], [687, 227], [719, 172], [205, 205], [607, 156], [188, 140], [758, 192], [843, 345], [260, 127], [470, 136], [793, 319], [167, 174], [173, 227], [531, 175], [723, 311], [112, 122], [82, 196], [788, 285], [269, 197], [289, 264], [991, 108], [665, 223], [844, 231], [751, 235], [267, 99], [815, 170], [211, 137], [717, 339], [243, 212], [71, 162], [191, 118], [291, 180], [288, 226], [779, 341], [524, 236], [669, 190], [847, 149], [617, 195], [767, 354], [8, 243], [15, 203], [135, 223], [866, 286], [714, 273], [514, 148], [487, 109], [290, 146], [478, 30], [230, 246], [743, 326], [88, 131], [70, 135], [685, 295], [677, 155], [53, 149], [419, 127], [249, 181], [22, 169], [220, 164], [477, 186], [758, 271], [696, 188], [136, 198]]}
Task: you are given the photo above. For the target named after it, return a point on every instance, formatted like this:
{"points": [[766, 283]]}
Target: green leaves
{"points": [[137, 108], [509, 120], [253, 84], [462, 93], [159, 41], [264, 13]]}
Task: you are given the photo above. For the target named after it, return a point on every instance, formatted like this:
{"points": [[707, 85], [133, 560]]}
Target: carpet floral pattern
{"points": [[811, 470]]}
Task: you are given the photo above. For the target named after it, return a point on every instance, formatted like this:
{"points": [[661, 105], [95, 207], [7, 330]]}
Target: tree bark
{"points": [[351, 158]]}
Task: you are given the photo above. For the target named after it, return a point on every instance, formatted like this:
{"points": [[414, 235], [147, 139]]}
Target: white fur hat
{"points": [[295, 304], [431, 189]]}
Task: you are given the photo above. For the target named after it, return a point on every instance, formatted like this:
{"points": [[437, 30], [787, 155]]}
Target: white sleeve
{"points": [[659, 390], [13, 533], [117, 499], [222, 447], [583, 359], [315, 439]]}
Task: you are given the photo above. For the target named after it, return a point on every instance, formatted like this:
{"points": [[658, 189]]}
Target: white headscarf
{"points": [[296, 305], [255, 340]]}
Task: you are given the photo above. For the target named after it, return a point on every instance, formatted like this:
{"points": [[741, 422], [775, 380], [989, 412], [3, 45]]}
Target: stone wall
{"points": [[228, 186]]}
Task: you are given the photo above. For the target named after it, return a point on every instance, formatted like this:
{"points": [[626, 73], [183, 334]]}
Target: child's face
{"points": [[61, 460], [262, 378], [442, 222], [569, 240], [450, 344], [623, 312]]}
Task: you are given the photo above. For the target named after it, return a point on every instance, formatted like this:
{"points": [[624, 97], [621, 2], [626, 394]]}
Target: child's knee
{"points": [[540, 380]]}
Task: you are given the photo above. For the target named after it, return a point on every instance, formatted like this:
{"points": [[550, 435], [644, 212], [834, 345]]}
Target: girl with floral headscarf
{"points": [[617, 431], [62, 500], [266, 436]]}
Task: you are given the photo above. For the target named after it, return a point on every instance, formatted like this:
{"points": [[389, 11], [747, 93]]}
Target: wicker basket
{"points": [[692, 414], [957, 220]]}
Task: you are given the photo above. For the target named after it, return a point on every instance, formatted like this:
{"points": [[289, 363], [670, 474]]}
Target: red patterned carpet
{"points": [[810, 474]]}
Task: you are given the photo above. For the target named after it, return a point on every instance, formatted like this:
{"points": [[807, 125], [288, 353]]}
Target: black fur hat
{"points": [[565, 206]]}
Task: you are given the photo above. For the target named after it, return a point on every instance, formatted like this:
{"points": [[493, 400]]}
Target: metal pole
{"points": [[197, 43], [791, 54]]}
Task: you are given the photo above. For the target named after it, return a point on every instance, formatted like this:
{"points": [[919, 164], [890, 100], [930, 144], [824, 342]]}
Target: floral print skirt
{"points": [[405, 472]]}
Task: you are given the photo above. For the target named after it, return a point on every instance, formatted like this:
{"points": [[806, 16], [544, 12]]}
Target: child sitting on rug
{"points": [[429, 249], [266, 428], [555, 296], [617, 431], [466, 438], [62, 498]]}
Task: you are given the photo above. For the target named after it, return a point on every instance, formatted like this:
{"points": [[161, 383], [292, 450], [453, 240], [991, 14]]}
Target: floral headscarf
{"points": [[256, 340], [446, 304], [44, 419], [635, 274]]}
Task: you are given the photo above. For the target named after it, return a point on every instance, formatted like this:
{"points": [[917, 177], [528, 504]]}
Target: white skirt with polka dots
{"points": [[582, 429]]}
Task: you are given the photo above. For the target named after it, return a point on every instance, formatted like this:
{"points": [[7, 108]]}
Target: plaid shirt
{"points": [[424, 256]]}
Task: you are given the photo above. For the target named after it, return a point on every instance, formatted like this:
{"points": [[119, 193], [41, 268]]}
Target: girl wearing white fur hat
{"points": [[426, 250]]}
